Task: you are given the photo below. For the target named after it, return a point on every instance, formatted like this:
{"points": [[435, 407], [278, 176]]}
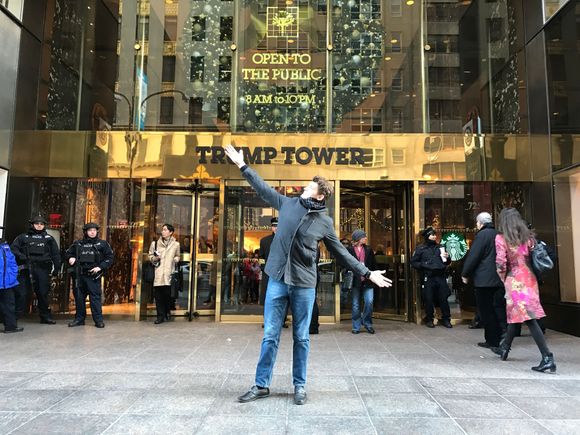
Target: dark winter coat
{"points": [[39, 248], [104, 254], [292, 256], [427, 259], [370, 262], [480, 265]]}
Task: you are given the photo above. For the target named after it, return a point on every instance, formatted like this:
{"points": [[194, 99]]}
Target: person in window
{"points": [[513, 247], [360, 285], [431, 260], [164, 254], [292, 269]]}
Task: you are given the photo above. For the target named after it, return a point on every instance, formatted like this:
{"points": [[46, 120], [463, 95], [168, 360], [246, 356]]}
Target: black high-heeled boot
{"points": [[502, 350], [547, 363]]}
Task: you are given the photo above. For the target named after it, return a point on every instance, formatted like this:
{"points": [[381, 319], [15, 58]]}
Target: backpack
{"points": [[541, 259], [8, 268]]}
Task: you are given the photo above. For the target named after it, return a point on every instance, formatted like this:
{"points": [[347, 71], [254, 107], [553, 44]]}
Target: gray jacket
{"points": [[294, 248]]}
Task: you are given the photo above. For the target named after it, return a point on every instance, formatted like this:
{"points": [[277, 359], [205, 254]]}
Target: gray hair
{"points": [[484, 218]]}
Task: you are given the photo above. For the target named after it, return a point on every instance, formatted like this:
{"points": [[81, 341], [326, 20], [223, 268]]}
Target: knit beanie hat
{"points": [[428, 232], [358, 234]]}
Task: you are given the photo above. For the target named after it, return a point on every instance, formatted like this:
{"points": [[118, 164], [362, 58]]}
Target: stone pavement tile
{"points": [[330, 426], [11, 420], [50, 423], [95, 364], [236, 425], [274, 405], [549, 407], [479, 407], [60, 381], [154, 424], [131, 381], [416, 426], [568, 386], [447, 386], [330, 383], [97, 402], [31, 400], [476, 426], [190, 381], [360, 343], [327, 404], [524, 387], [409, 348], [562, 427], [9, 379], [429, 368], [402, 405], [239, 384], [386, 385], [173, 402], [336, 367]]}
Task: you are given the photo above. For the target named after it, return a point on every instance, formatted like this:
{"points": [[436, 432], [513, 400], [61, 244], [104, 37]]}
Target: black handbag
{"points": [[176, 282], [541, 260], [149, 269]]}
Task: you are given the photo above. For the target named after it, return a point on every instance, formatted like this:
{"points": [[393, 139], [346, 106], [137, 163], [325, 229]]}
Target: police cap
{"points": [[38, 219], [90, 225]]}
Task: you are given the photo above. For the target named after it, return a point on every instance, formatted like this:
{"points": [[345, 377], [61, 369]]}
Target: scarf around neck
{"points": [[312, 204]]}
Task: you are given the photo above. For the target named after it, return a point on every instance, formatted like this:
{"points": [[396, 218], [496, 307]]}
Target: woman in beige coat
{"points": [[164, 254]]}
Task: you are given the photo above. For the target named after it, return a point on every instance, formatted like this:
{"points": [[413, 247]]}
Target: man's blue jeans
{"points": [[301, 300], [367, 315]]}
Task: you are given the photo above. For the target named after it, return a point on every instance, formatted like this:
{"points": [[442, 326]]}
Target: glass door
{"points": [[381, 210], [193, 210]]}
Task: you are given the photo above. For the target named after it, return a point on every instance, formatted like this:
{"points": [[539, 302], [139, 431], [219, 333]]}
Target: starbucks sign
{"points": [[455, 245]]}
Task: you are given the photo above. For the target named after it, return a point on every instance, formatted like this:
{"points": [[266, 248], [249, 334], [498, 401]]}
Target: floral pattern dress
{"points": [[521, 286]]}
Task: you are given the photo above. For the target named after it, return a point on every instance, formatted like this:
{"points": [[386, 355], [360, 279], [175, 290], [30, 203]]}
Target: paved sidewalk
{"points": [[184, 377]]}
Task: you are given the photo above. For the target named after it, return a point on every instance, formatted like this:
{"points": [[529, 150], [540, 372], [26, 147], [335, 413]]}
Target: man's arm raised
{"points": [[266, 192]]}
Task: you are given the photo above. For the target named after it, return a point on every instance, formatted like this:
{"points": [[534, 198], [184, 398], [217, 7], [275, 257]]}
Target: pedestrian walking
{"points": [[489, 290], [164, 255], [362, 286], [514, 245]]}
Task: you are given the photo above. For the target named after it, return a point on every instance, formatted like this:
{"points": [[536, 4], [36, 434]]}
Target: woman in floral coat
{"points": [[513, 246]]}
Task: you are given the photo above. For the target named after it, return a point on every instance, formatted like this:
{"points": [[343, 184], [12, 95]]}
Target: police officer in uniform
{"points": [[37, 255], [90, 257], [432, 260]]}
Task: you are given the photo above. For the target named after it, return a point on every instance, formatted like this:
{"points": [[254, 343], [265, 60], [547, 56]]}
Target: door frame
{"points": [[193, 189], [406, 196]]}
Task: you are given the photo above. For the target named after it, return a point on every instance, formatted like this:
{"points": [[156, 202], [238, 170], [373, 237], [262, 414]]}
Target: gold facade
{"points": [[165, 169], [180, 156]]}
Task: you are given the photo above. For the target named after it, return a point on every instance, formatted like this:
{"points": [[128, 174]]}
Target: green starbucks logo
{"points": [[455, 245]]}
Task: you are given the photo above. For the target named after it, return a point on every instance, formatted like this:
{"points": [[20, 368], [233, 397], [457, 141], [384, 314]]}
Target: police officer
{"points": [[90, 257], [432, 260], [37, 255]]}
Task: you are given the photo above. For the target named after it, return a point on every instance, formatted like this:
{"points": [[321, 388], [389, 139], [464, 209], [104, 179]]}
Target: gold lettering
{"points": [[256, 73], [281, 58]]}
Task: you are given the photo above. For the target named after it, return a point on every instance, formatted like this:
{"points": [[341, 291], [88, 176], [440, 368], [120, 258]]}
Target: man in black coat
{"points": [[480, 267], [432, 260], [37, 255], [360, 285], [265, 244], [292, 271]]}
